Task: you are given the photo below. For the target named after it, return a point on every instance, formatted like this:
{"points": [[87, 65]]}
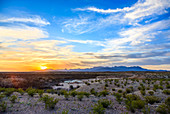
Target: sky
{"points": [[68, 34]]}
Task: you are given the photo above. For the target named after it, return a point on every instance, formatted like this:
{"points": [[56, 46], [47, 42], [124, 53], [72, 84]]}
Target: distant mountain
{"points": [[109, 69]]}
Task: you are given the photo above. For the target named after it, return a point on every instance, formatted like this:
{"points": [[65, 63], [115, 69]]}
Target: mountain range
{"points": [[108, 69]]}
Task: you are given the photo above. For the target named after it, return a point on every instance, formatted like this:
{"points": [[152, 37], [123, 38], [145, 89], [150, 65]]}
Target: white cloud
{"points": [[22, 32], [140, 9], [37, 20], [136, 36], [92, 42]]}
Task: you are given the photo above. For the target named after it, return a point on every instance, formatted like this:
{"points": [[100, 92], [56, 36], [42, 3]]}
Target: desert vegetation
{"points": [[97, 96]]}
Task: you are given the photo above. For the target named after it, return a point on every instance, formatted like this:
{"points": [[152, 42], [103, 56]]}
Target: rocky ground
{"points": [[110, 87]]}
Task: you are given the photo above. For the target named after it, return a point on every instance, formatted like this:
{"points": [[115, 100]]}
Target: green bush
{"points": [[156, 86], [13, 98], [3, 106], [92, 91], [152, 99], [80, 97], [31, 92], [128, 90], [162, 109], [66, 95], [131, 97], [105, 102], [138, 104], [120, 91], [142, 92], [73, 93], [87, 94], [2, 89], [150, 92], [131, 87], [104, 93], [98, 109], [50, 102], [9, 91], [40, 92], [167, 101], [21, 91], [131, 101], [106, 85], [1, 97], [113, 89], [50, 91], [62, 92], [118, 97], [168, 86], [161, 87], [166, 92]]}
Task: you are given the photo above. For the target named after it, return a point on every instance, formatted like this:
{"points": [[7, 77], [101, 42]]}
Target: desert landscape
{"points": [[97, 93]]}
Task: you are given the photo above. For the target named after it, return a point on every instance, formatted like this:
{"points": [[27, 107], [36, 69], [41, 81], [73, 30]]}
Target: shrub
{"points": [[139, 88], [161, 87], [98, 109], [113, 89], [132, 97], [148, 88], [167, 101], [156, 86], [73, 93], [168, 86], [87, 83], [87, 94], [2, 89], [118, 97], [128, 90], [66, 95], [150, 92], [142, 92], [50, 91], [124, 94], [120, 91], [106, 85], [162, 109], [1, 97], [31, 92], [13, 98], [131, 87], [166, 92], [40, 92], [21, 91], [3, 106], [104, 93], [50, 102], [131, 102], [80, 97], [9, 91], [71, 87], [105, 102], [152, 99], [62, 92], [92, 91], [138, 104]]}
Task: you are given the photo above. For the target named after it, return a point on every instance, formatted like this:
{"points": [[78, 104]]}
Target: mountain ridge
{"points": [[108, 69]]}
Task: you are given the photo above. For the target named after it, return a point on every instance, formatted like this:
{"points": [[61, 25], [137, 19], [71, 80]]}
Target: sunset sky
{"points": [[59, 34]]}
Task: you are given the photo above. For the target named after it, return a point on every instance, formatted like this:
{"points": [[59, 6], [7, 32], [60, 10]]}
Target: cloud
{"points": [[92, 42], [37, 20], [136, 35], [126, 16], [141, 9], [13, 33], [136, 55]]}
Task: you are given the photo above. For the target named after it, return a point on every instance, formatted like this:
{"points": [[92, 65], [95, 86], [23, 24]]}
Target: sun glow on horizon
{"points": [[43, 67]]}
